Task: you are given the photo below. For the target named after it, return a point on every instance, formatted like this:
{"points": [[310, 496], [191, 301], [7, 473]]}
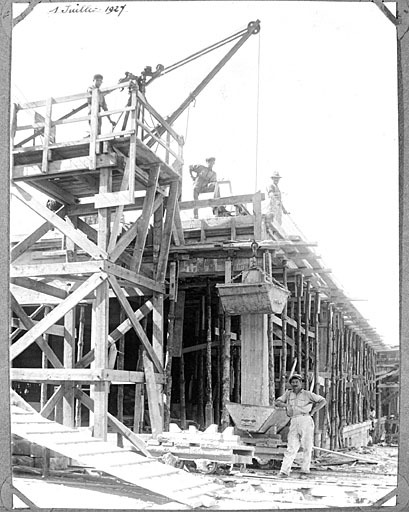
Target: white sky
{"points": [[327, 118]]}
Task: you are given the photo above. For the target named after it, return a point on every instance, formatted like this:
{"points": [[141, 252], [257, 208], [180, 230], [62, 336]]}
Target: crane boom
{"points": [[252, 28]]}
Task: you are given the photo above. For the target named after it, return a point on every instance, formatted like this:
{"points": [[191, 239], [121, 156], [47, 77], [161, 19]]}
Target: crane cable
{"points": [[200, 53], [257, 110]]}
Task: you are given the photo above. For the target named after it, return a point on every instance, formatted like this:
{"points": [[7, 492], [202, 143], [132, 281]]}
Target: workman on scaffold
{"points": [[300, 405], [204, 180], [97, 82]]}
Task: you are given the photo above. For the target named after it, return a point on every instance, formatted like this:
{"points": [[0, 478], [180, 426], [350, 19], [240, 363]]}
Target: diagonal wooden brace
{"points": [[58, 312], [135, 324]]}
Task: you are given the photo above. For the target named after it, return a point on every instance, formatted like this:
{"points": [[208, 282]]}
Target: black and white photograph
{"points": [[205, 255]]}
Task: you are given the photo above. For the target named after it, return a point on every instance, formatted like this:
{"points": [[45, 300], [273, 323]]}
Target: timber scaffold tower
{"points": [[93, 180]]}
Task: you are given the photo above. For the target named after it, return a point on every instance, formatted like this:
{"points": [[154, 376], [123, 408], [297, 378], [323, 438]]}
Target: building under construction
{"points": [[129, 326]]}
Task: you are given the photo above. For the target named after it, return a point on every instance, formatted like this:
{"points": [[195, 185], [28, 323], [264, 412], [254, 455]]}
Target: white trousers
{"points": [[301, 434]]}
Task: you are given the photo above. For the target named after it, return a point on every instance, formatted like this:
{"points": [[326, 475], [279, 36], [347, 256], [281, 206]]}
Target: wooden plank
{"points": [[135, 324], [112, 199], [39, 286], [57, 269], [167, 231], [144, 220], [116, 424], [23, 194], [58, 312], [135, 278], [68, 166], [222, 201], [29, 324]]}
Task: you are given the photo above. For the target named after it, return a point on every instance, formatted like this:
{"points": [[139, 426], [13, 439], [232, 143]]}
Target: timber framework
{"points": [[127, 318]]}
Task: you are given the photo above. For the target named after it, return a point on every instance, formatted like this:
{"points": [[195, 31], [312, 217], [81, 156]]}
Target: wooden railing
{"points": [[45, 119]]}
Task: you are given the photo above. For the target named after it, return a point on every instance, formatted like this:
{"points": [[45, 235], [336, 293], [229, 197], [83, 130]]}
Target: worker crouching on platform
{"points": [[300, 405], [204, 179]]}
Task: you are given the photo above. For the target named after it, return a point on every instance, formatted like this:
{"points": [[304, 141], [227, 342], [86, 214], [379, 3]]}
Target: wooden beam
{"points": [[58, 312], [154, 396], [135, 324], [134, 278], [222, 201], [144, 220], [55, 330], [68, 166], [167, 231], [30, 240], [57, 269], [30, 324], [24, 195], [52, 401], [39, 286]]}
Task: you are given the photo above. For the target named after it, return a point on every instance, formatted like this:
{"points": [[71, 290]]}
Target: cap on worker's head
{"points": [[210, 159], [275, 175], [296, 376], [98, 75]]}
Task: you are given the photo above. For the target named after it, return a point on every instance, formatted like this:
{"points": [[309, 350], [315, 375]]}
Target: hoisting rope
{"points": [[200, 53], [257, 109]]}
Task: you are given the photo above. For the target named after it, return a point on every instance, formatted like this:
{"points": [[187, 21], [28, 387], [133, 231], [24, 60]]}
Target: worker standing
{"points": [[300, 406], [204, 179], [97, 82], [275, 207]]}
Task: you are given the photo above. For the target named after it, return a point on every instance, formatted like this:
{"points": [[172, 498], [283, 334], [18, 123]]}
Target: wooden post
{"points": [[317, 306], [291, 329], [120, 387], [283, 372], [268, 269], [226, 353], [44, 364], [80, 351], [307, 313], [169, 345], [209, 415], [182, 400], [299, 285], [139, 403], [100, 316], [69, 361]]}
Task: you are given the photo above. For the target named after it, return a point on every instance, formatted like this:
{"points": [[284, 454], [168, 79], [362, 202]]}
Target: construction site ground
{"points": [[332, 482]]}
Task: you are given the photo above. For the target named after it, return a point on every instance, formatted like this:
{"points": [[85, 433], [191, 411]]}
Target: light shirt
{"points": [[299, 404]]}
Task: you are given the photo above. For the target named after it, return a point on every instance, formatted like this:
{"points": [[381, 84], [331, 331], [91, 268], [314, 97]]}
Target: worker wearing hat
{"points": [[275, 207], [300, 406]]}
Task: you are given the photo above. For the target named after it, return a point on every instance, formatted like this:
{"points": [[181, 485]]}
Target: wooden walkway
{"points": [[145, 472]]}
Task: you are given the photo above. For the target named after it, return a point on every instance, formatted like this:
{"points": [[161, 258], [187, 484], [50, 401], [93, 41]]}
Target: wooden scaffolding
{"points": [[92, 181]]}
